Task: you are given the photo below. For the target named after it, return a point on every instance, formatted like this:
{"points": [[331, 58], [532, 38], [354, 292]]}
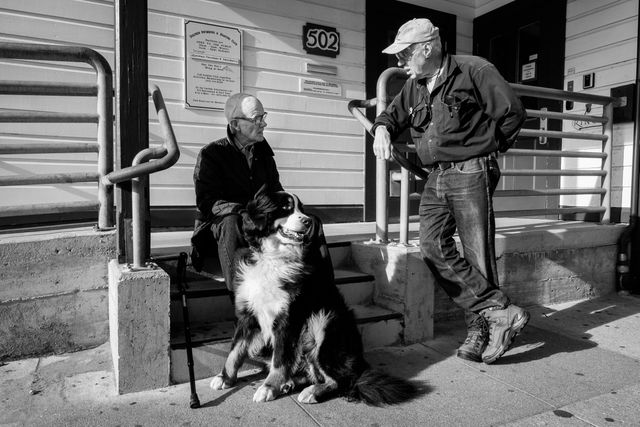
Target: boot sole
{"points": [[469, 356], [515, 330]]}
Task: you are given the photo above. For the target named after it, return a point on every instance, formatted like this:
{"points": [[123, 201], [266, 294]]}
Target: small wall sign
{"points": [[321, 40], [528, 71], [213, 69], [320, 87]]}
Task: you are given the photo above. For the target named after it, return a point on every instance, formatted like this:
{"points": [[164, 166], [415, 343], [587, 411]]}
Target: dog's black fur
{"points": [[289, 310]]}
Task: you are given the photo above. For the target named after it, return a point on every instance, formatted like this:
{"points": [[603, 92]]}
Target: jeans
{"points": [[229, 237], [460, 198]]}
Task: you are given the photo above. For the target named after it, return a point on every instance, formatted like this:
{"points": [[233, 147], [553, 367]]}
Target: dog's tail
{"points": [[377, 388]]}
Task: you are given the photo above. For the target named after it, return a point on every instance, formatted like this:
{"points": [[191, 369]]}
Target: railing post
{"points": [[105, 150], [607, 149], [404, 206], [382, 174]]}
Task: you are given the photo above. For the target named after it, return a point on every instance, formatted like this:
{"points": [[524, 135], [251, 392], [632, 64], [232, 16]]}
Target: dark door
{"points": [[383, 18], [525, 41]]}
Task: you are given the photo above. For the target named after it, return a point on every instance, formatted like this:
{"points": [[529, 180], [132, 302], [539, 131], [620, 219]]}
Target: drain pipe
{"points": [[627, 270]]}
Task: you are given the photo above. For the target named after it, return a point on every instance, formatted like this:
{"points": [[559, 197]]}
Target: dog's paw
{"points": [[264, 393], [220, 383], [307, 395]]}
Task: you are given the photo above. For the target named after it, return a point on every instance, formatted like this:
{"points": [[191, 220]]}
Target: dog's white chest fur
{"points": [[260, 284]]}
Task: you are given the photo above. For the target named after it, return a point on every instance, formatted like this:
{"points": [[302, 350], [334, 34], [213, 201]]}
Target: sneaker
{"points": [[476, 342], [503, 326]]}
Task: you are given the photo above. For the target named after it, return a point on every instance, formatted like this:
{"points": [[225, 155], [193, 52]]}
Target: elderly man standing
{"points": [[228, 173], [460, 112]]}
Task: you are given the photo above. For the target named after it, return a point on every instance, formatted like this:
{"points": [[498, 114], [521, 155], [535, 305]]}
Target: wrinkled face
{"points": [[415, 59], [250, 124]]}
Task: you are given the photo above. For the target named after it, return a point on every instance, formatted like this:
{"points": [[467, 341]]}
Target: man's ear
{"points": [[233, 125]]}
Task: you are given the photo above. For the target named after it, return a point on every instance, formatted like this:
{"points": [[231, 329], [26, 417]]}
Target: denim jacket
{"points": [[471, 112]]}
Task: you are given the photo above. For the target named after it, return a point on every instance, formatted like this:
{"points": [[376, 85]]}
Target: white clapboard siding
{"points": [[601, 39], [319, 147]]}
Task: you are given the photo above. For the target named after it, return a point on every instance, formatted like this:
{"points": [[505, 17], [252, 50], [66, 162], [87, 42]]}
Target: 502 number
{"points": [[325, 40], [321, 40]]}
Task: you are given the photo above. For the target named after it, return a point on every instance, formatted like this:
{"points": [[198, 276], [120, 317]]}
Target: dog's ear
{"points": [[261, 191], [253, 224]]}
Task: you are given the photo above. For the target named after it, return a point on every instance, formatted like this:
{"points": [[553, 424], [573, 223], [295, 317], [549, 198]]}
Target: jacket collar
{"points": [[261, 147]]}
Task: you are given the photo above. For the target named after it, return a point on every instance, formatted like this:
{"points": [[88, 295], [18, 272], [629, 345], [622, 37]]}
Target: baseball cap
{"points": [[415, 31]]}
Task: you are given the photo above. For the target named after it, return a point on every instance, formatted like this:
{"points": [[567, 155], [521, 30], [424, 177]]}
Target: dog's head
{"points": [[280, 214]]}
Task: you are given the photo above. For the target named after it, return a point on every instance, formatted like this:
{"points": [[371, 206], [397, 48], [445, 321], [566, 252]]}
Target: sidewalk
{"points": [[576, 364]]}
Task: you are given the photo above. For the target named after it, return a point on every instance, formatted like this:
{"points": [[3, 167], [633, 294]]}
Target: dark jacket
{"points": [[224, 183], [472, 112]]}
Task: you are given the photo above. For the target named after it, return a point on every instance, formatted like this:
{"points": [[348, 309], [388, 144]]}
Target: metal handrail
{"points": [[103, 89], [167, 155], [382, 167]]}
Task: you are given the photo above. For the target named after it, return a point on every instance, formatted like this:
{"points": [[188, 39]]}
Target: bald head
{"points": [[241, 105]]}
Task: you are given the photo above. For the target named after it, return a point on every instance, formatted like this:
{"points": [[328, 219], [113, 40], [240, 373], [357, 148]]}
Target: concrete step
{"points": [[208, 298], [172, 243], [379, 327]]}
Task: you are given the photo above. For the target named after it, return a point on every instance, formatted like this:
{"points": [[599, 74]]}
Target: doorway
{"points": [[382, 22], [525, 41]]}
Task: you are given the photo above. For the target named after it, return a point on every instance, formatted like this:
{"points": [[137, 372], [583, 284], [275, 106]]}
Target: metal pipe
{"points": [[47, 88], [548, 192], [43, 148], [553, 172], [104, 86], [560, 95], [560, 134], [564, 116], [607, 148], [168, 154], [138, 172], [52, 178], [47, 208], [30, 116], [404, 207]]}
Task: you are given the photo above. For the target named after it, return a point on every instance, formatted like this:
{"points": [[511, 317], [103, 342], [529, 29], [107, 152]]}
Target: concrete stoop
{"points": [[53, 290], [211, 316]]}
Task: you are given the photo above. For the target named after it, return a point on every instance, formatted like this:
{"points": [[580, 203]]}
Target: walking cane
{"points": [[182, 272]]}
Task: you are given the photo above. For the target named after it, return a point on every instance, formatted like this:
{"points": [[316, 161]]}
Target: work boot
{"points": [[476, 342], [504, 324]]}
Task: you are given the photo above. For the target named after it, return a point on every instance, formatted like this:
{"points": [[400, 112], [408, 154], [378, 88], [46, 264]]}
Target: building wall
{"points": [[601, 38], [319, 147]]}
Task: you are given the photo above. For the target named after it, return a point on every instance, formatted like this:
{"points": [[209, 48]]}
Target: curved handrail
{"points": [[168, 154], [104, 83], [140, 168], [404, 162]]}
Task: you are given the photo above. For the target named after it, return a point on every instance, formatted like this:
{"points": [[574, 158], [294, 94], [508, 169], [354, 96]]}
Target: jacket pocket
{"points": [[454, 113]]}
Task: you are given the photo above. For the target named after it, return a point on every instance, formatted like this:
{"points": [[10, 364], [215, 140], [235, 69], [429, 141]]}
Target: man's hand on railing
{"points": [[382, 143]]}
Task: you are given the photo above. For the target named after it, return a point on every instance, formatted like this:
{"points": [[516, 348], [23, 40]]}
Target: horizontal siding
{"points": [[319, 147], [601, 37]]}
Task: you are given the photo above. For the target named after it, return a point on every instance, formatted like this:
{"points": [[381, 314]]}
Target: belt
{"points": [[440, 165]]}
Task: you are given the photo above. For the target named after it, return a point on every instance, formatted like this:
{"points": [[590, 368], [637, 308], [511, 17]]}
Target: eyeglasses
{"points": [[259, 119], [406, 54]]}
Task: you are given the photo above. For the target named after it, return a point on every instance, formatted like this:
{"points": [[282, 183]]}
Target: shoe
{"points": [[476, 342], [503, 326]]}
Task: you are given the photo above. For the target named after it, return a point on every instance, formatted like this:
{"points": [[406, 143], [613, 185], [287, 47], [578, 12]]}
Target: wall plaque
{"points": [[213, 64]]}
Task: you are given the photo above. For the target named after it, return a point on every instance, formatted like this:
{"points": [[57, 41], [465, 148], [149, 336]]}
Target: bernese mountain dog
{"points": [[291, 315]]}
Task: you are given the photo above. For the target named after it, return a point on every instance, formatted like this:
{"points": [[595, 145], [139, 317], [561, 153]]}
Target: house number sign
{"points": [[320, 40]]}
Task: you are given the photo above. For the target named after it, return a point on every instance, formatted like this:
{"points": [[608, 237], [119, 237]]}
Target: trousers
{"points": [[460, 198]]}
